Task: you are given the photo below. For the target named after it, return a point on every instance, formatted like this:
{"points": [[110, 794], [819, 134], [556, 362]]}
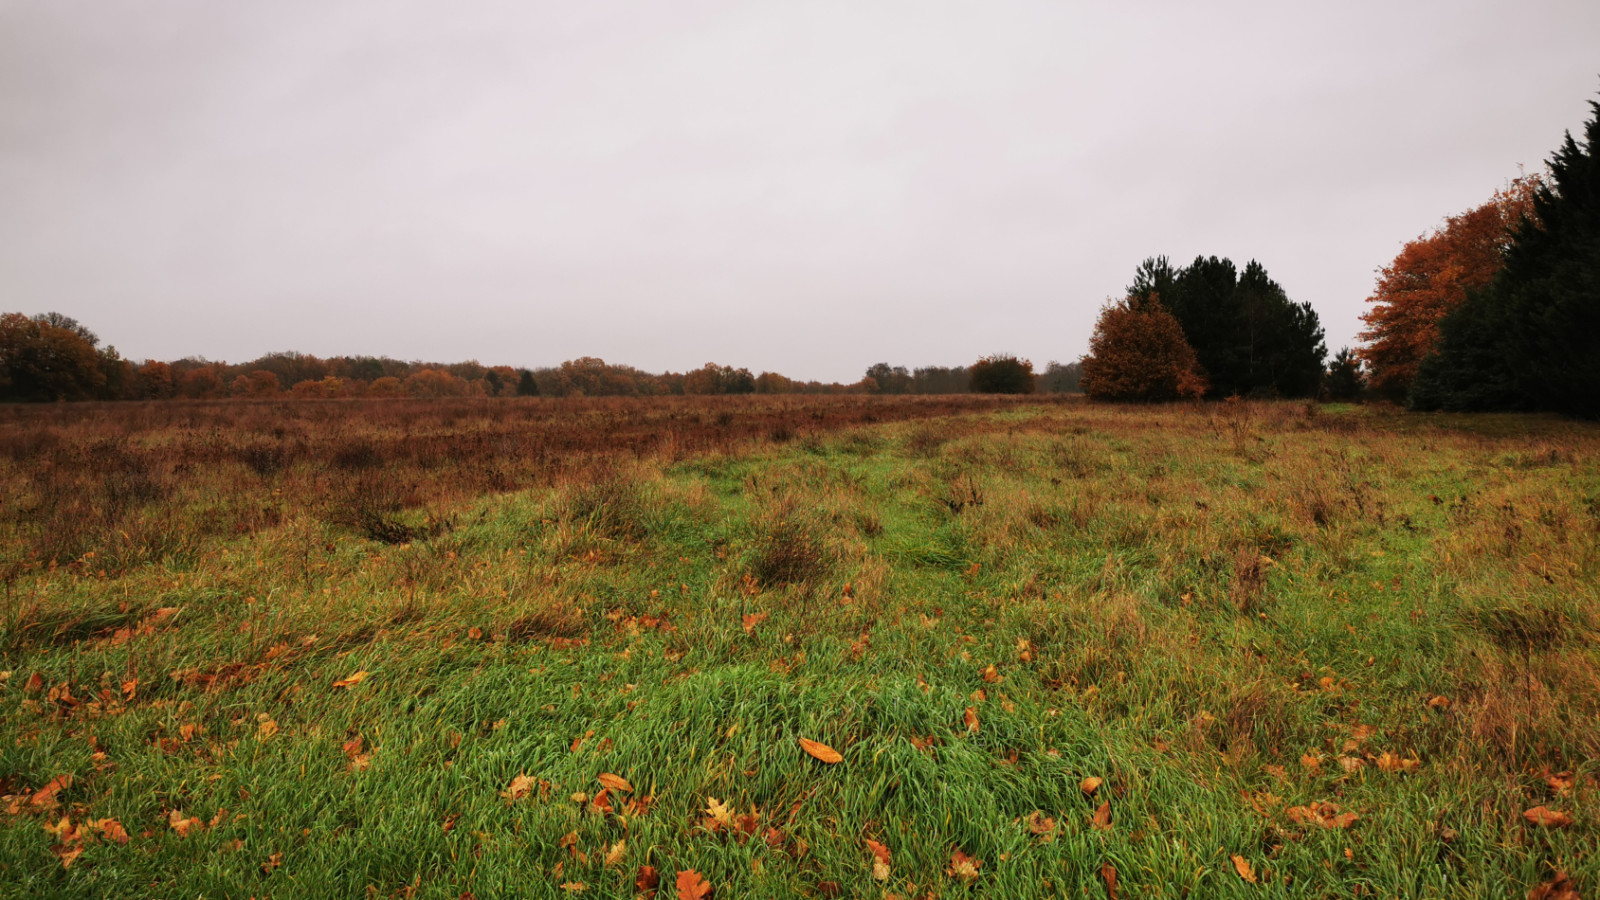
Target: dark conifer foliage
{"points": [[1250, 338], [1531, 340], [1344, 380]]}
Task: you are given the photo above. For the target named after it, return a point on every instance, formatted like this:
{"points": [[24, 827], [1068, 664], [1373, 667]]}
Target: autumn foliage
{"points": [[1002, 374], [1430, 278], [1138, 352]]}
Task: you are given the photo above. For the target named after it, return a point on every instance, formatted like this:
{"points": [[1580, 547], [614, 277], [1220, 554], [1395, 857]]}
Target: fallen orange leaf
{"points": [[880, 859], [751, 620], [1091, 784], [45, 797], [1326, 815], [182, 824], [1559, 887], [616, 783], [1547, 818], [821, 752], [1109, 873], [1243, 867], [963, 866], [647, 881], [971, 718], [691, 886], [1042, 826], [352, 679], [520, 787], [1102, 816], [111, 830]]}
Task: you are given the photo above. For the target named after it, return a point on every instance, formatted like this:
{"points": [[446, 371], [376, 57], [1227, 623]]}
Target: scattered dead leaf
{"points": [[691, 886], [646, 882], [44, 799], [520, 787], [1102, 817], [1545, 817], [962, 866], [821, 752], [1325, 815], [1042, 826], [880, 860], [183, 824], [1243, 867], [1559, 887]]}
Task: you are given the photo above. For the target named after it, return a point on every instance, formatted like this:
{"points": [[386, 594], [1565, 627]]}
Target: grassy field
{"points": [[1060, 650]]}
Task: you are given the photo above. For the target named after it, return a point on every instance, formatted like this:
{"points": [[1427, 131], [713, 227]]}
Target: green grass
{"points": [[1191, 604]]}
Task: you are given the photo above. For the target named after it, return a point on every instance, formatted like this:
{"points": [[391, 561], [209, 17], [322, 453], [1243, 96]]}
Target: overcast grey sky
{"points": [[805, 187]]}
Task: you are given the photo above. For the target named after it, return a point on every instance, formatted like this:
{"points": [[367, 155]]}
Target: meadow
{"points": [[796, 647]]}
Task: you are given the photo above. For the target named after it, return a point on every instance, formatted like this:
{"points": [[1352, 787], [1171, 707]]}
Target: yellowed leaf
{"points": [[1041, 825], [183, 824], [1243, 867], [616, 783], [962, 866], [1091, 784], [1102, 816], [111, 830], [821, 752], [1545, 817], [521, 786], [352, 679]]}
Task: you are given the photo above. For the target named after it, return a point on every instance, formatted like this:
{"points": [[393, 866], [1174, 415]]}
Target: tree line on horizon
{"points": [[52, 357]]}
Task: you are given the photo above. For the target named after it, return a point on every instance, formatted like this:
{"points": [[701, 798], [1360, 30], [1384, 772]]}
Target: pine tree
{"points": [[1531, 340], [1248, 336]]}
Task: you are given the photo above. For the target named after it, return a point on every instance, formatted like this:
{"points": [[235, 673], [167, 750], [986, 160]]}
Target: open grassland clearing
{"points": [[1247, 650]]}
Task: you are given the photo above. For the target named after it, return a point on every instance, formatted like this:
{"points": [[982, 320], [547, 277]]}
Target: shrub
{"points": [[1138, 353], [1002, 374]]}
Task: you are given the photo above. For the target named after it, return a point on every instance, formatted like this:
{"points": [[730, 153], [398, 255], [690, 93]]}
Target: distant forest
{"points": [[52, 357]]}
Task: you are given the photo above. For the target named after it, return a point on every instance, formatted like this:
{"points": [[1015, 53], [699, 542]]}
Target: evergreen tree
{"points": [[526, 386], [1343, 381], [1531, 340], [1249, 337]]}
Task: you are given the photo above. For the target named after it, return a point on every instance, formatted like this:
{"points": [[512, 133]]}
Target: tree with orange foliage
{"points": [[1138, 353], [200, 382], [1430, 278]]}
